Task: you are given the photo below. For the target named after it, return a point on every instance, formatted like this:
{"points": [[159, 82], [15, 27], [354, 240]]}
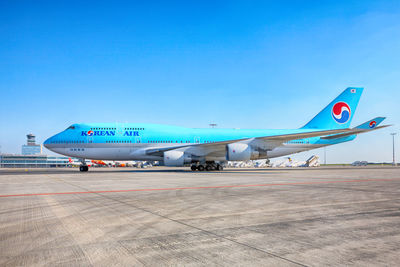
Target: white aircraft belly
{"points": [[289, 149]]}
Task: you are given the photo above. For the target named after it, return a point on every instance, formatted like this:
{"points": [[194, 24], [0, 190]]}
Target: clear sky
{"points": [[242, 64]]}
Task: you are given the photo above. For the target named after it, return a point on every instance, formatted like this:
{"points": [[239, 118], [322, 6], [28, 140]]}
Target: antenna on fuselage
{"points": [[213, 125]]}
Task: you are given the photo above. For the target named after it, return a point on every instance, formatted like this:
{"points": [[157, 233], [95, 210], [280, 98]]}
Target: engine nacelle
{"points": [[176, 158], [240, 152]]}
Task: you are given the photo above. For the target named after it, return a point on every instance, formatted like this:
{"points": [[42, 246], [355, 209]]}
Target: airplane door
{"points": [[120, 151], [89, 140], [120, 129], [197, 140], [136, 140]]}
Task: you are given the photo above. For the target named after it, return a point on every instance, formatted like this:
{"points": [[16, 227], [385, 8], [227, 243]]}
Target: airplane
{"points": [[210, 148], [99, 162]]}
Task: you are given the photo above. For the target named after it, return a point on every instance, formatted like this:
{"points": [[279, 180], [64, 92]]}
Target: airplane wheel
{"points": [[208, 168], [200, 168], [83, 168], [220, 168], [193, 167]]}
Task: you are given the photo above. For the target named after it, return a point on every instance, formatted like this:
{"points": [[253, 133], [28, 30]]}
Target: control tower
{"points": [[31, 148]]}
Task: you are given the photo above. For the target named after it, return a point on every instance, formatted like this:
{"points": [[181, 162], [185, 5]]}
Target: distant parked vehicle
{"points": [[359, 163]]}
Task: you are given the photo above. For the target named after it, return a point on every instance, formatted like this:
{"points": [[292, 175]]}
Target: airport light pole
{"points": [[394, 160]]}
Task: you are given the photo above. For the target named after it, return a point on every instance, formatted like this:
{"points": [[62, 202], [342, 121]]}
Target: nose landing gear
{"points": [[83, 167]]}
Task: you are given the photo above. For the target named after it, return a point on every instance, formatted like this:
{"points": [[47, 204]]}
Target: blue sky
{"points": [[242, 64]]}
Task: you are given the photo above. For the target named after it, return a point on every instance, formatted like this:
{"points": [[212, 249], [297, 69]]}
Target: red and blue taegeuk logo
{"points": [[372, 124], [341, 112], [90, 133]]}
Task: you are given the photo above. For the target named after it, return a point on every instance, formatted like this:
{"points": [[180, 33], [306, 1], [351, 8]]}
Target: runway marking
{"points": [[198, 187]]}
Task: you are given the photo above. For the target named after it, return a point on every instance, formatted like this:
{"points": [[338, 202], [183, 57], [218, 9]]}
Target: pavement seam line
{"points": [[206, 231], [193, 227], [198, 187]]}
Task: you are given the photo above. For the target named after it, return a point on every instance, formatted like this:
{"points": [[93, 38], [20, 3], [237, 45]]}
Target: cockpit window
{"points": [[71, 127]]}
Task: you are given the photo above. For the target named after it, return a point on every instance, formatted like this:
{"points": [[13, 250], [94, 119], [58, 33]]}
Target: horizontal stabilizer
{"points": [[353, 132], [371, 124]]}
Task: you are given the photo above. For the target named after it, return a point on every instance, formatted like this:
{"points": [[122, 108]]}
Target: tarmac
{"points": [[172, 216]]}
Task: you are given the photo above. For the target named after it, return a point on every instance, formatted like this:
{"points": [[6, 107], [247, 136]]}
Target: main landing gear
{"points": [[208, 167]]}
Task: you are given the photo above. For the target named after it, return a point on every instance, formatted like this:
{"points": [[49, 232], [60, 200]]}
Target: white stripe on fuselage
{"points": [[105, 151]]}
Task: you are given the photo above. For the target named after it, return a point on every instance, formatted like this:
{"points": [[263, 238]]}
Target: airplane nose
{"points": [[47, 142]]}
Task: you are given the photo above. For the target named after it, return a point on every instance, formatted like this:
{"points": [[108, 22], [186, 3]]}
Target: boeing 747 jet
{"points": [[207, 149]]}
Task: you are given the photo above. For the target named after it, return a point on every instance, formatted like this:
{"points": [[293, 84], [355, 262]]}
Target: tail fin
{"points": [[339, 113], [371, 124]]}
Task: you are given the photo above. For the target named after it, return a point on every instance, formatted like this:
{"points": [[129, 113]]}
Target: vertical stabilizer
{"points": [[339, 113]]}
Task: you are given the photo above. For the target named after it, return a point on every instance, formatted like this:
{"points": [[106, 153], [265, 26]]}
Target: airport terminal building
{"points": [[32, 157], [33, 161]]}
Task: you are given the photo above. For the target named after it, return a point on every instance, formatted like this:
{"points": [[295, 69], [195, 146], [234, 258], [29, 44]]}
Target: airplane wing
{"points": [[264, 142]]}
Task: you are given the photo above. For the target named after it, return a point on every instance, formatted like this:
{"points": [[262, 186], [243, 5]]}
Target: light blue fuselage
{"points": [[124, 141]]}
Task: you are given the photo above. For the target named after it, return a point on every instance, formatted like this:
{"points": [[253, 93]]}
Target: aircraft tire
{"points": [[208, 168], [193, 167], [83, 168], [220, 168], [200, 168]]}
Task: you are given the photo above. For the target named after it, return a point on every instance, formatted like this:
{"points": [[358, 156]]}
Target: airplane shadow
{"points": [[93, 171]]}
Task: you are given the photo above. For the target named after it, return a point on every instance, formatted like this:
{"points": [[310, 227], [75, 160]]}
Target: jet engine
{"points": [[240, 152], [176, 158]]}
